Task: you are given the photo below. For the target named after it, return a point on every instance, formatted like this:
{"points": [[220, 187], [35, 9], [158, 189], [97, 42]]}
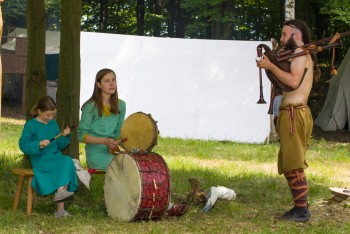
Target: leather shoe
{"points": [[177, 210]]}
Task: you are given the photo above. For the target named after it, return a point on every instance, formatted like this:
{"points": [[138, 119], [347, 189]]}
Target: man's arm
{"points": [[291, 79]]}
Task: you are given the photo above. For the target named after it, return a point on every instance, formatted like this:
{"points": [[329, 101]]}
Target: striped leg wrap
{"points": [[298, 187]]}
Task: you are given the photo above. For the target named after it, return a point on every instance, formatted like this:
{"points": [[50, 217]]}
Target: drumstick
{"points": [[124, 139], [52, 139], [119, 142]]}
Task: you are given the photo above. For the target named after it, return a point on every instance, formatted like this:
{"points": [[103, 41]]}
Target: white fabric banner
{"points": [[197, 89]]}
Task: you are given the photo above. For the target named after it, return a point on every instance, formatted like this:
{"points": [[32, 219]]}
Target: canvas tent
{"points": [[52, 49], [14, 61], [52, 40], [336, 109]]}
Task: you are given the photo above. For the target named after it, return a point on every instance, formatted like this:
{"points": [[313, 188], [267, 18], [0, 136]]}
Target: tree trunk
{"points": [[228, 26], [140, 12], [171, 21], [35, 80], [289, 11], [1, 27], [217, 26], [36, 72], [181, 19], [68, 91], [103, 15], [158, 8]]}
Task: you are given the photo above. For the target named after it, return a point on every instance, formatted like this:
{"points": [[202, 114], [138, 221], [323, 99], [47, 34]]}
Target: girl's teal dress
{"points": [[107, 125], [51, 168]]}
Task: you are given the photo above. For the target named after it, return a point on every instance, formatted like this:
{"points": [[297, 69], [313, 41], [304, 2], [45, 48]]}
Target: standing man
{"points": [[294, 124]]}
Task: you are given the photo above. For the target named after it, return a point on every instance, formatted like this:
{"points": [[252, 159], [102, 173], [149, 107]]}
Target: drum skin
{"points": [[141, 132], [137, 187]]}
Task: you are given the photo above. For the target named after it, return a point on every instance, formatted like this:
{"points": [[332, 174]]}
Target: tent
{"points": [[52, 49], [336, 109], [52, 40]]}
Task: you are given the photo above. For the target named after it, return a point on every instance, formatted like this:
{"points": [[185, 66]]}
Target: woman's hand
{"points": [[111, 143]]}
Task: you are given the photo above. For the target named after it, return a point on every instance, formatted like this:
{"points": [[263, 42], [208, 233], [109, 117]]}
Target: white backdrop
{"points": [[199, 89]]}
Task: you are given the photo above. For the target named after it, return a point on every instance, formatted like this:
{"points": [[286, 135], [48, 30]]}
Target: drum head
{"points": [[122, 188], [141, 132]]}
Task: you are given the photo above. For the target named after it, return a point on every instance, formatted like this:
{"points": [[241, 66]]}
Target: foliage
{"points": [[14, 13], [339, 10], [53, 15], [250, 19], [120, 16], [219, 19]]}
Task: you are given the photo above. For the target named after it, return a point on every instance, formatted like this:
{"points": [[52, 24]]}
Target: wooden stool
{"points": [[22, 174]]}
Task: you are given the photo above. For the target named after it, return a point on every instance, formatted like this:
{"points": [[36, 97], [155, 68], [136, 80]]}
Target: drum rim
{"points": [[131, 217], [154, 138], [137, 215]]}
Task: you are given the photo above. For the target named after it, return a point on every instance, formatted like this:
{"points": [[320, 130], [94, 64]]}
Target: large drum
{"points": [[141, 132], [137, 187]]}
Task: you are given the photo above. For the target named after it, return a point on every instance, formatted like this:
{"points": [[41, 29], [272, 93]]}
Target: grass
{"points": [[249, 169]]}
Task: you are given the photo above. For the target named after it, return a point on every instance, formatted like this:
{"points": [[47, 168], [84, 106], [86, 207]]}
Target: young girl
{"points": [[53, 172], [101, 120]]}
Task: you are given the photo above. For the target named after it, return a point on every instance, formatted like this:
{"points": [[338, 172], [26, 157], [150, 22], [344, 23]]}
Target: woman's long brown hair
{"points": [[97, 94]]}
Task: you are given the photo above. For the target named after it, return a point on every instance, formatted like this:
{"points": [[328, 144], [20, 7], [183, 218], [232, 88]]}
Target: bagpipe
{"points": [[280, 56]]}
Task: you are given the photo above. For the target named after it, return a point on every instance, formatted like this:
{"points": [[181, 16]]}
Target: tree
{"points": [[339, 10], [289, 10], [14, 13], [1, 27], [53, 15], [68, 91], [158, 11], [35, 83], [120, 17], [140, 12]]}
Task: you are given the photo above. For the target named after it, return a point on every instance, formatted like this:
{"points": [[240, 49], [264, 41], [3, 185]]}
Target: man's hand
{"points": [[264, 63]]}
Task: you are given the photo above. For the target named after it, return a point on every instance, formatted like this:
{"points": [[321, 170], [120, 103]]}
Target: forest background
{"points": [[257, 20]]}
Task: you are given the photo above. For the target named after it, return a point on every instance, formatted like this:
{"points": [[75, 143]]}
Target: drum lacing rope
{"points": [[291, 115], [150, 214]]}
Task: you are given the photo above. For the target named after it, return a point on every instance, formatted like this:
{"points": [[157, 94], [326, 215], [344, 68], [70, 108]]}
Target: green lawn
{"points": [[249, 169]]}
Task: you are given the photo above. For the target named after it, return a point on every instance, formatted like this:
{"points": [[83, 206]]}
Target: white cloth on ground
{"points": [[218, 192], [83, 175]]}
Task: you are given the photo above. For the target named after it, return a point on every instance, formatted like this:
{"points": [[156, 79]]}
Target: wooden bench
{"points": [[26, 173]]}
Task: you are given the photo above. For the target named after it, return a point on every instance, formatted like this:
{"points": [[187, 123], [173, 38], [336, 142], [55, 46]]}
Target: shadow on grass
{"points": [[260, 198]]}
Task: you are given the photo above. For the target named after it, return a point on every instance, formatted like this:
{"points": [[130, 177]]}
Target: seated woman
{"points": [[101, 120]]}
